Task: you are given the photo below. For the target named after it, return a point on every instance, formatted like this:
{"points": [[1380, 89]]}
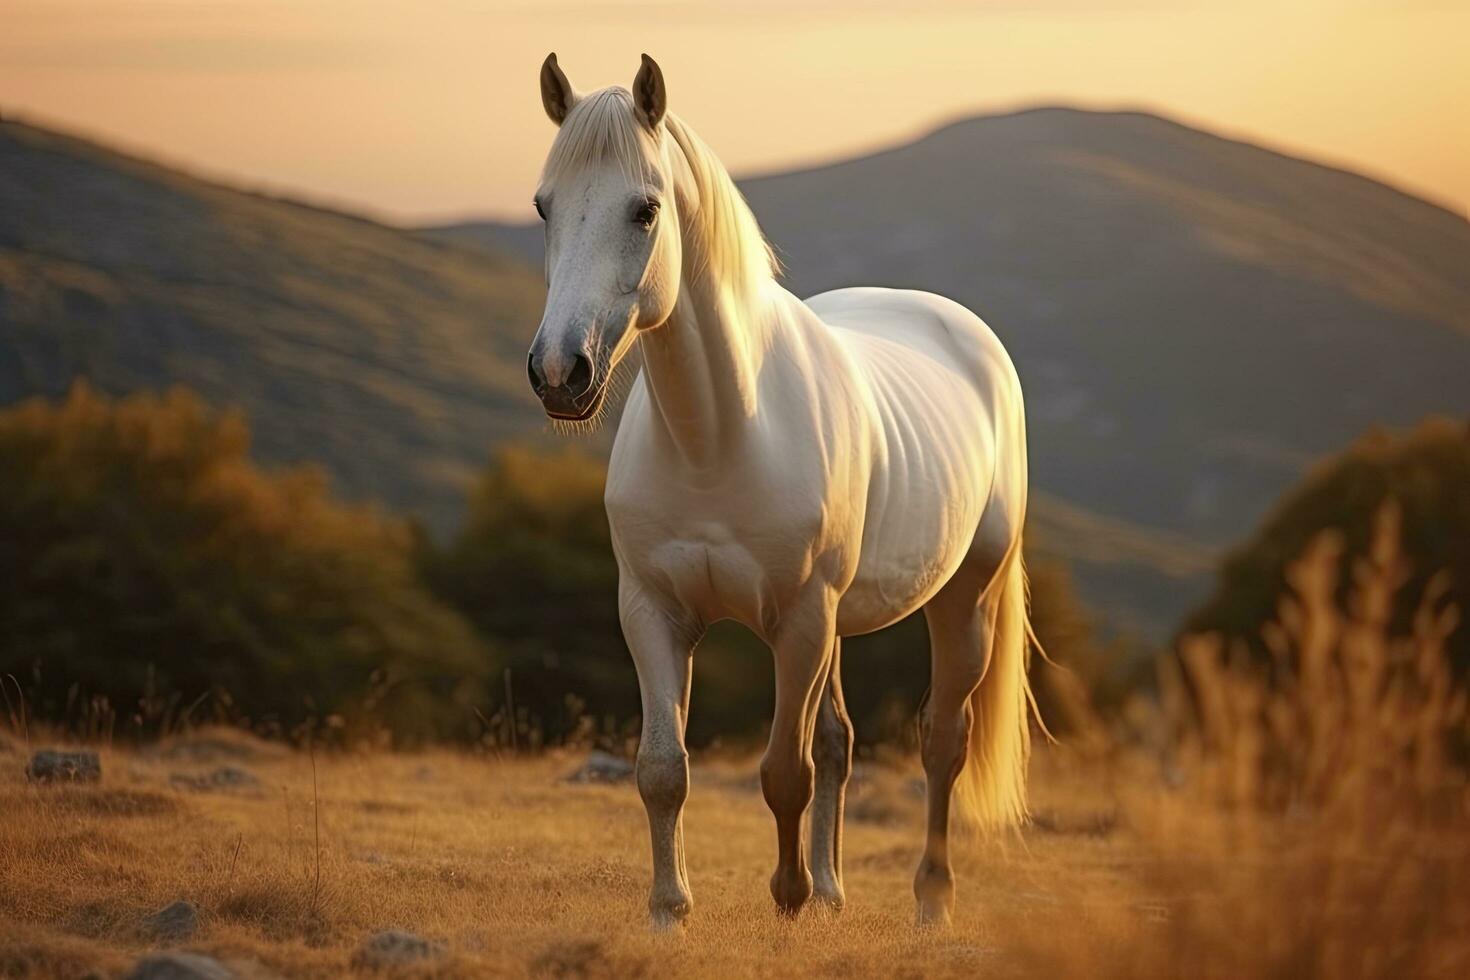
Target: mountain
{"points": [[393, 360], [1194, 319]]}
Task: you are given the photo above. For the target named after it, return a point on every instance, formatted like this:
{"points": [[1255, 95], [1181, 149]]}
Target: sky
{"points": [[428, 110]]}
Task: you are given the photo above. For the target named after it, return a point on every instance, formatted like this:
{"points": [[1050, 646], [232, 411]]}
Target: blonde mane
{"points": [[726, 241]]}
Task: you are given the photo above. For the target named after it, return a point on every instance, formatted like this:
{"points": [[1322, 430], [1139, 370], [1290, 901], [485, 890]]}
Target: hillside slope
{"points": [[393, 360]]}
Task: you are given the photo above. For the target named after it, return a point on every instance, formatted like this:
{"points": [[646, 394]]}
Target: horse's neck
{"points": [[702, 368]]}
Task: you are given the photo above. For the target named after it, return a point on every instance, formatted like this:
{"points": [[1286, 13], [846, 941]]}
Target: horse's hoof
{"points": [[934, 916], [791, 887], [669, 915], [934, 888], [828, 894]]}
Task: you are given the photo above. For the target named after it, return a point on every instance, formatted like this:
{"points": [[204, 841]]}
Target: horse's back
{"points": [[930, 325]]}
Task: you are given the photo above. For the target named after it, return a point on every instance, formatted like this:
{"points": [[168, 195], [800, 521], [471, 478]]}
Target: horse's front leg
{"points": [[662, 653], [803, 652]]}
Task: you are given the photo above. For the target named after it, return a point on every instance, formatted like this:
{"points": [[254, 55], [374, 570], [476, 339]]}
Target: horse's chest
{"points": [[734, 555]]}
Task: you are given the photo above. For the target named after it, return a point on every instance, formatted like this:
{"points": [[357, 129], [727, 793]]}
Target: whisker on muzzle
{"points": [[620, 378]]}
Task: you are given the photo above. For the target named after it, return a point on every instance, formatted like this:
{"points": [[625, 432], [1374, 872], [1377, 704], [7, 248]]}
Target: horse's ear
{"points": [[649, 96], [557, 95]]}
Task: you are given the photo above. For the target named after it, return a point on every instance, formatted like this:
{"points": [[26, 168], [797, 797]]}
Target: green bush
{"points": [[147, 564], [1425, 471], [533, 569]]}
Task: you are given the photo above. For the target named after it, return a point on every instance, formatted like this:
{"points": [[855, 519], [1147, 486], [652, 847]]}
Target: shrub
{"points": [[1426, 471], [147, 564], [533, 569]]}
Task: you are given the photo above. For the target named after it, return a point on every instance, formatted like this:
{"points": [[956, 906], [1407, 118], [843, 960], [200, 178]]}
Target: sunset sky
{"points": [[427, 110]]}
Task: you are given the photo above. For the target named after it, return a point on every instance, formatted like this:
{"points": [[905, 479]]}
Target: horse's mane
{"points": [[728, 243]]}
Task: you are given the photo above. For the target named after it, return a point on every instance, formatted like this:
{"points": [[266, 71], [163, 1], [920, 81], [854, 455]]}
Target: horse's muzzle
{"points": [[576, 398]]}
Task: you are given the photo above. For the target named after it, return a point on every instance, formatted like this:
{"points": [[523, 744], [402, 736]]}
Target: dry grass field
{"points": [[1314, 826], [517, 871]]}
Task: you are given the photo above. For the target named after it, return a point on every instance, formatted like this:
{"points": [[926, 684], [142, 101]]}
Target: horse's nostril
{"points": [[581, 377], [538, 383]]}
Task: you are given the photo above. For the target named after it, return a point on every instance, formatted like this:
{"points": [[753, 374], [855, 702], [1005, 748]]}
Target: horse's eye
{"points": [[646, 214], [537, 202]]}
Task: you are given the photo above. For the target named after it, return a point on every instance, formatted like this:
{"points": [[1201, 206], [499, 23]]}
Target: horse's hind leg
{"points": [[832, 753], [959, 639]]}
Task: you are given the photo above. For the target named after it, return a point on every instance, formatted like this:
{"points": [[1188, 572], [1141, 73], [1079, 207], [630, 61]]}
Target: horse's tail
{"points": [[991, 790]]}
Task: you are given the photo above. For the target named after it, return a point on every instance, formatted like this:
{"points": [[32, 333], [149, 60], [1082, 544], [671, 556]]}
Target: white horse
{"points": [[811, 469]]}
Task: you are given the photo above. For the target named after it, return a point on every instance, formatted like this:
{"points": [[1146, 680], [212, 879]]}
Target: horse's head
{"points": [[613, 254]]}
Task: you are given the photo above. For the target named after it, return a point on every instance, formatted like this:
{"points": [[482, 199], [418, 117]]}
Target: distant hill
{"points": [[393, 360], [1194, 319]]}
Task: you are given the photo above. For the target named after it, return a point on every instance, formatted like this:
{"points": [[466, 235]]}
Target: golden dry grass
{"points": [[521, 873], [1312, 825]]}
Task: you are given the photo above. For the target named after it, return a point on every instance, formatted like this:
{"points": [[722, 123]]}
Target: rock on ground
{"points": [[225, 777], [395, 947], [602, 767], [173, 923], [181, 966], [53, 765]]}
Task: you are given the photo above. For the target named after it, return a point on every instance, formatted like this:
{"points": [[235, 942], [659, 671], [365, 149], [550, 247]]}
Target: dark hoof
{"points": [[791, 887]]}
